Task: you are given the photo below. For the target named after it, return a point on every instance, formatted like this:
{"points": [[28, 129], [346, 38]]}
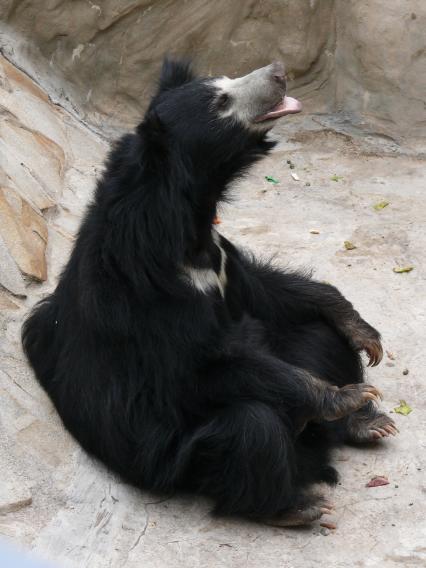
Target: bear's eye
{"points": [[223, 101]]}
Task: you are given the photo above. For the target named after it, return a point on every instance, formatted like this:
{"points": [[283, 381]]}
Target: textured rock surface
{"points": [[42, 158], [110, 51], [14, 492], [381, 61], [10, 277], [24, 232], [64, 506], [366, 58]]}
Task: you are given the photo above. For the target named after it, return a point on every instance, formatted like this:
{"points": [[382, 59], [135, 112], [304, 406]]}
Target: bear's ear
{"points": [[175, 73], [154, 134]]}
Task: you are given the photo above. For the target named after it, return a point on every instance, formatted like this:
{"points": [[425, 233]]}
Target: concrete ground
{"points": [[69, 509]]}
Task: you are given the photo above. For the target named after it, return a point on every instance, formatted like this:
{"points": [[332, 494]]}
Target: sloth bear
{"points": [[181, 362]]}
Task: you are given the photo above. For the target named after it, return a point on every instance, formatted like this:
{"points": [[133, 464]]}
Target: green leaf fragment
{"points": [[403, 408], [271, 179], [381, 205], [402, 269], [349, 245], [335, 177]]}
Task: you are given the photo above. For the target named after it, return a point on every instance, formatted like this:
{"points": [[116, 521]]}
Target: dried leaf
{"points": [[271, 179], [378, 481], [349, 245], [335, 177], [403, 408], [314, 232], [381, 205], [402, 269], [295, 177]]}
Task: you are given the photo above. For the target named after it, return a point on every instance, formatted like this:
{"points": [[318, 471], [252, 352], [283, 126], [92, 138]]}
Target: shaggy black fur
{"points": [[178, 389]]}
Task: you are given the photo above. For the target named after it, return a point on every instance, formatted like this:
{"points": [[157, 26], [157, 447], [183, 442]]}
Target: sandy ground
{"points": [[80, 515]]}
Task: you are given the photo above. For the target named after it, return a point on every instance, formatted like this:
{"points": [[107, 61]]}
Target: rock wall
{"points": [[381, 63], [47, 164], [109, 52], [364, 57]]}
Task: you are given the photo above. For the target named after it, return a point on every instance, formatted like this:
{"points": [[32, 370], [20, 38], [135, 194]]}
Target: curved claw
{"points": [[392, 429], [294, 518], [374, 434], [368, 396], [374, 391], [383, 432], [375, 426], [375, 353]]}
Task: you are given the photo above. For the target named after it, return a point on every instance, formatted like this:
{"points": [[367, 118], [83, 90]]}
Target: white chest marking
{"points": [[206, 279], [222, 273]]}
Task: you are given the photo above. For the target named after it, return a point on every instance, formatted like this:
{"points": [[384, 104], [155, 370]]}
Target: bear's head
{"points": [[164, 182], [216, 127]]}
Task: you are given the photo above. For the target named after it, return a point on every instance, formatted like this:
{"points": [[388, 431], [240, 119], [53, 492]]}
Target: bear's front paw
{"points": [[339, 402], [363, 337]]}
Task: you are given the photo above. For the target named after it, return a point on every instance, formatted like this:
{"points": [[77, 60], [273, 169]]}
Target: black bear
{"points": [[181, 362]]}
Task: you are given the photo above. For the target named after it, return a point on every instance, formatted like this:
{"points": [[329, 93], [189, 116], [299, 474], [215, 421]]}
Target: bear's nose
{"points": [[278, 73]]}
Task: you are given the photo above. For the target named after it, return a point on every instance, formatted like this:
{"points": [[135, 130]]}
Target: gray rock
{"points": [[381, 62], [110, 52], [14, 491], [10, 277], [364, 58], [24, 231], [13, 496]]}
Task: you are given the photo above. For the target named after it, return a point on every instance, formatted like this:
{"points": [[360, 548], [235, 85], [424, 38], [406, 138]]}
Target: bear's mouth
{"points": [[288, 105]]}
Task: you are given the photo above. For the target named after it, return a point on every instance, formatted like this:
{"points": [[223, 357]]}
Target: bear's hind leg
{"points": [[244, 458]]}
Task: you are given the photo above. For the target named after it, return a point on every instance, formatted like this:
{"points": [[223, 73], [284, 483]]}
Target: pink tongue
{"points": [[291, 106], [288, 105]]}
